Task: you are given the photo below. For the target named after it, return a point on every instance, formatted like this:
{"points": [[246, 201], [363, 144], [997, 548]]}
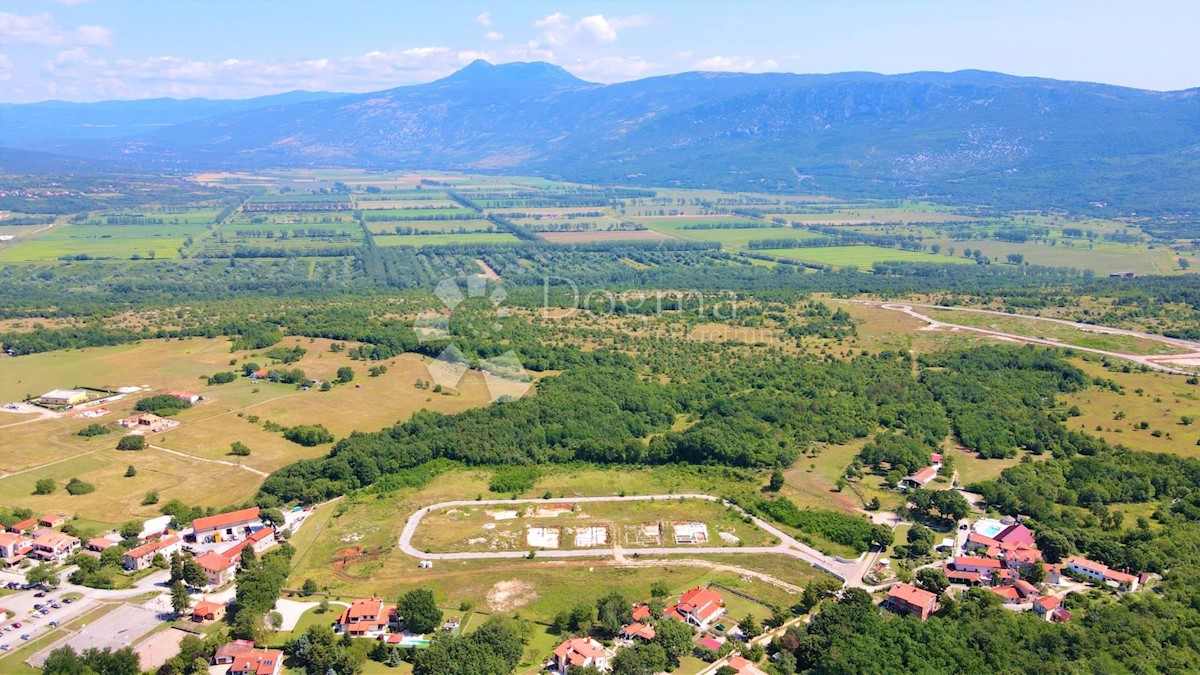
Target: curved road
{"points": [[850, 571], [1150, 361]]}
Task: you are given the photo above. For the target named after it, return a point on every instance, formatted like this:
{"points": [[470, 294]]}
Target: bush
{"points": [[162, 404], [514, 479], [345, 374], [239, 449], [78, 487], [44, 486], [93, 429], [131, 443], [222, 378], [150, 498], [308, 435]]}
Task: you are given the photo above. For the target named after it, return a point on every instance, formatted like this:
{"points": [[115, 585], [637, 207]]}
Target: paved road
{"points": [[849, 571], [1150, 361]]}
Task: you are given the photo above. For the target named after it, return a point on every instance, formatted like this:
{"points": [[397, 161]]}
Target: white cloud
{"points": [[558, 29], [41, 30], [493, 35], [6, 68], [737, 64], [484, 19]]}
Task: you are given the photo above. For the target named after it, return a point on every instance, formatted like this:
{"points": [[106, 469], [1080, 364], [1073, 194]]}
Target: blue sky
{"points": [[88, 50]]}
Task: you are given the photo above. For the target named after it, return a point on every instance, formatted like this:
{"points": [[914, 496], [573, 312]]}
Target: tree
{"points": [[674, 637], [750, 626], [130, 529], [131, 442], [612, 612], [583, 617], [193, 573], [920, 541], [78, 487], [150, 497], [179, 598], [345, 374], [660, 589], [239, 449], [419, 611], [130, 472], [43, 575], [641, 659], [309, 587], [882, 536], [932, 579], [44, 486], [777, 480], [1034, 574]]}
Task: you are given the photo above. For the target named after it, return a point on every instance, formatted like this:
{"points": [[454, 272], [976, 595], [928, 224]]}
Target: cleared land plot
{"points": [[101, 241], [602, 235], [431, 203], [1049, 330], [1102, 257], [869, 216], [443, 239], [859, 256], [494, 528], [120, 628]]}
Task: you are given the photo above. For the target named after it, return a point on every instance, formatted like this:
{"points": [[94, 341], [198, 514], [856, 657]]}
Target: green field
{"points": [[102, 241], [388, 227], [859, 256]]}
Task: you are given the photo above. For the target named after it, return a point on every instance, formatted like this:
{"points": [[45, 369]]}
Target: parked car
{"points": [[55, 605], [68, 600], [38, 607], [24, 636], [5, 647], [40, 594], [16, 624], [54, 624], [8, 629]]}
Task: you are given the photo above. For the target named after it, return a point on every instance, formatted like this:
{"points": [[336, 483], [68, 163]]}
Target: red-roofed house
{"points": [[141, 557], [369, 617], [908, 599], [709, 643], [25, 526], [1050, 608], [14, 547], [52, 520], [744, 666], [54, 546], [580, 653], [264, 662], [230, 650], [699, 607], [1101, 572], [935, 458], [919, 479], [1020, 558], [218, 570], [99, 544], [643, 631], [985, 566], [977, 542], [641, 612], [185, 395], [1015, 535], [225, 526], [1026, 589], [1053, 574]]}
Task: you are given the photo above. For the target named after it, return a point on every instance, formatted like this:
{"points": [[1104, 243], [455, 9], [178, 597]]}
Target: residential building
{"points": [[1050, 608], [257, 662], [987, 567], [980, 543], [1008, 594], [226, 526], [1053, 574], [143, 556], [1102, 573], [919, 479], [60, 397], [369, 617], [52, 520], [960, 577], [25, 526], [259, 540], [744, 666], [642, 631], [908, 599], [207, 610], [99, 544], [14, 547], [1027, 590], [580, 653], [641, 612], [218, 570], [699, 607], [1021, 558], [185, 395], [227, 652], [54, 546], [147, 423]]}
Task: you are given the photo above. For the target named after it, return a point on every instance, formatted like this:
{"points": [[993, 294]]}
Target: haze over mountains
{"points": [[968, 136]]}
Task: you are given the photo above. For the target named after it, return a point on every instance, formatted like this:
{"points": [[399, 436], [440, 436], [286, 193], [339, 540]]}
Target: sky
{"points": [[89, 50]]}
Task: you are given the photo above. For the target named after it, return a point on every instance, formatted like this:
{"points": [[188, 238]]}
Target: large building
{"points": [[59, 397], [218, 570], [581, 653], [1102, 573], [143, 556], [226, 526], [54, 546]]}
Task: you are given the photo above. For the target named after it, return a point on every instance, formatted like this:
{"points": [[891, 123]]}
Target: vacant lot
{"points": [[859, 256], [1049, 330]]}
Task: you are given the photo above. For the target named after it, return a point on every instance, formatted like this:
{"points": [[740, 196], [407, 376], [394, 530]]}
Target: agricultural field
{"points": [[404, 227], [602, 235], [382, 240], [597, 525], [101, 241], [859, 256], [200, 445]]}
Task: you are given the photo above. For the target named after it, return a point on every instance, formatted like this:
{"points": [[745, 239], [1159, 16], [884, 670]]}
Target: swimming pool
{"points": [[410, 641], [988, 527]]}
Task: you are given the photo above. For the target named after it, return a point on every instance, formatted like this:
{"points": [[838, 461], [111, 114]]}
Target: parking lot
{"points": [[120, 628]]}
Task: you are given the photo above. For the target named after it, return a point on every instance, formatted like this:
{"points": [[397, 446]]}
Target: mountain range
{"points": [[967, 136]]}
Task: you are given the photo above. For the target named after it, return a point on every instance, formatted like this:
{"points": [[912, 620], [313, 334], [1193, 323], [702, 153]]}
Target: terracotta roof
{"points": [[25, 524], [225, 519], [1015, 533], [642, 630], [580, 647], [972, 561], [365, 609], [911, 595], [935, 457], [1007, 592], [9, 539], [981, 539], [709, 643], [641, 612], [234, 648], [214, 562], [959, 575], [53, 538], [698, 599], [151, 547], [260, 663], [1025, 588], [1047, 602], [101, 543], [206, 607], [923, 475]]}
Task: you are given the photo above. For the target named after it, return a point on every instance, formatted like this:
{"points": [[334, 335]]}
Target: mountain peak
{"points": [[480, 73]]}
